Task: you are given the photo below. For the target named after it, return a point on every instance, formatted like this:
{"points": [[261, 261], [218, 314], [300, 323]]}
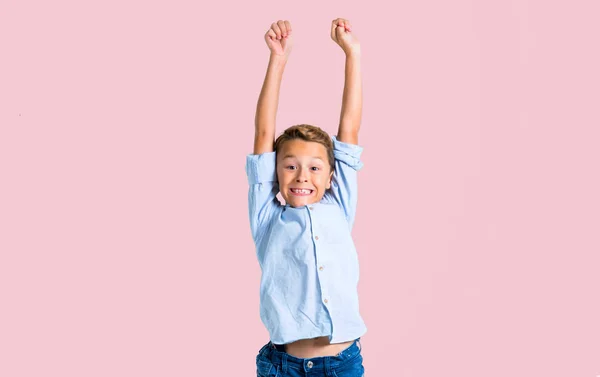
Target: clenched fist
{"points": [[279, 38], [341, 33]]}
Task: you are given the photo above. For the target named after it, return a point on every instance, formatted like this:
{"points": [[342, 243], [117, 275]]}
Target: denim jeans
{"points": [[273, 361]]}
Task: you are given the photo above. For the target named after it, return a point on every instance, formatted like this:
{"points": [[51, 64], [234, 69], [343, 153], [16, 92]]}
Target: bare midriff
{"points": [[315, 347]]}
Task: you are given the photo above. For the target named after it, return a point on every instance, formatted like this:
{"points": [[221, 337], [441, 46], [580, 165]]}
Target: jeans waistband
{"points": [[321, 363]]}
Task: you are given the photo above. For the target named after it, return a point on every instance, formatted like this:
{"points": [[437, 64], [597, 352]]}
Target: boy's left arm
{"points": [[344, 188], [351, 113]]}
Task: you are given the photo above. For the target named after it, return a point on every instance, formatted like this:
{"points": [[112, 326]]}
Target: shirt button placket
{"points": [[309, 364]]}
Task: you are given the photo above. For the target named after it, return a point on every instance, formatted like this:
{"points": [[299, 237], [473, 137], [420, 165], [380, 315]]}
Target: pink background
{"points": [[124, 234]]}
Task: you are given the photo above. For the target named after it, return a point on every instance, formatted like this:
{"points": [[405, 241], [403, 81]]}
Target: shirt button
{"points": [[310, 207], [325, 301], [321, 268], [309, 364], [317, 238]]}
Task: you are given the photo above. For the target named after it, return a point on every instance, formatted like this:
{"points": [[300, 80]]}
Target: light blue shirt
{"points": [[307, 256]]}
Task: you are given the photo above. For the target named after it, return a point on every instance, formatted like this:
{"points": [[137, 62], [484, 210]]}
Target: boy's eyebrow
{"points": [[292, 156]]}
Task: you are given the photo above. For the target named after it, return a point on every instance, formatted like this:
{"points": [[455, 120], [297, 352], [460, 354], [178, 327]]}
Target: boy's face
{"points": [[303, 165]]}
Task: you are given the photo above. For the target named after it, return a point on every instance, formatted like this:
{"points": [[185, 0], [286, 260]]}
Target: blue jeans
{"points": [[273, 361]]}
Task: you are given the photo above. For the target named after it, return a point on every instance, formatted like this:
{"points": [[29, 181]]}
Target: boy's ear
{"points": [[329, 180]]}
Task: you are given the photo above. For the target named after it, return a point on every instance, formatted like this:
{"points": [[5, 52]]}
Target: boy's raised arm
{"points": [[351, 113], [279, 41]]}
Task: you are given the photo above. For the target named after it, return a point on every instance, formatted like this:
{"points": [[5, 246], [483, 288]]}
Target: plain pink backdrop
{"points": [[125, 247]]}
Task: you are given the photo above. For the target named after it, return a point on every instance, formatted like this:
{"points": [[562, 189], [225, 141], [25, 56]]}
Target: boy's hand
{"points": [[279, 38], [341, 33]]}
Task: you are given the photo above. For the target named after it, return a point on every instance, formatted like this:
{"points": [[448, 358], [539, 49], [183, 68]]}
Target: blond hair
{"points": [[307, 132]]}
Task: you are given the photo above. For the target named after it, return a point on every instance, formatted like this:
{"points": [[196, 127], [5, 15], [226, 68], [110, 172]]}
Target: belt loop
{"points": [[328, 370], [264, 350], [284, 363], [359, 345]]}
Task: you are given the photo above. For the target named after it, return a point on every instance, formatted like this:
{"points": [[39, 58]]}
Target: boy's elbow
{"points": [[263, 141], [349, 136]]}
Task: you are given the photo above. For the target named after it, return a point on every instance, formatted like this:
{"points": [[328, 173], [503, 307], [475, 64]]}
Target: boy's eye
{"points": [[293, 167]]}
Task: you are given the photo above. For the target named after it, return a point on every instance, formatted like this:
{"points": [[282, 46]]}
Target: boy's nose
{"points": [[302, 175]]}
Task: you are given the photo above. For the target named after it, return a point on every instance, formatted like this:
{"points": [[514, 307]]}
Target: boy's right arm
{"points": [[261, 166], [279, 41]]}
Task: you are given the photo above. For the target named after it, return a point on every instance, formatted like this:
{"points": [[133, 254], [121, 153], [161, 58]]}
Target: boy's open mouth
{"points": [[301, 192]]}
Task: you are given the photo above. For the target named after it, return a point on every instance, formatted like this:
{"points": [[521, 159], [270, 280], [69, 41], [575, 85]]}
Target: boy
{"points": [[309, 300]]}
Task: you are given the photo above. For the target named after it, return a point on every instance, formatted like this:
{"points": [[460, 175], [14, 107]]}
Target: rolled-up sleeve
{"points": [[344, 187], [262, 194]]}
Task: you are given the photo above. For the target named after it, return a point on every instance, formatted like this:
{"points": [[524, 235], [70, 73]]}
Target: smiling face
{"points": [[303, 172]]}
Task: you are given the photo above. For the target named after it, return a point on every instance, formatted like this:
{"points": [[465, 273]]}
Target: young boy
{"points": [[308, 290]]}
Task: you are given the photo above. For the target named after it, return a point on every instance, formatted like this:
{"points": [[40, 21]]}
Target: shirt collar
{"points": [[304, 206]]}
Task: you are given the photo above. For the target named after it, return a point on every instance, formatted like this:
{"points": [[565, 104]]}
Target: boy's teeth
{"points": [[301, 191]]}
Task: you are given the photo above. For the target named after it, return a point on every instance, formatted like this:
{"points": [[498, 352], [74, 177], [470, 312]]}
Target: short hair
{"points": [[307, 132]]}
